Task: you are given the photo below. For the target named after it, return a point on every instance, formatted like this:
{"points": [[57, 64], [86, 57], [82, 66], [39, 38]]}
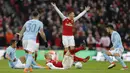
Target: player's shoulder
{"points": [[66, 18], [115, 33], [37, 21], [9, 48]]}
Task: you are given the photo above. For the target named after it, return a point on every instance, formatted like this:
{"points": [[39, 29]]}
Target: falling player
{"points": [[68, 24], [15, 62], [117, 48], [29, 32], [66, 63]]}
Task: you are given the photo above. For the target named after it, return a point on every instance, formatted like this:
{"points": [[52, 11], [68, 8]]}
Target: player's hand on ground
{"points": [[46, 44], [53, 4], [87, 8]]}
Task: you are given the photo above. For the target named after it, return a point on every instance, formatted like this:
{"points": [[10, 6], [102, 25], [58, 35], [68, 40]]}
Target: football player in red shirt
{"points": [[66, 63], [67, 35]]}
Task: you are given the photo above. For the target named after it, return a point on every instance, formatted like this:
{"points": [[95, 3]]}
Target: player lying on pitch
{"points": [[14, 62], [67, 62], [54, 64]]}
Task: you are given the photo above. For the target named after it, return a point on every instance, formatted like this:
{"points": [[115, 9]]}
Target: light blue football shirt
{"points": [[11, 52], [116, 40], [32, 26]]}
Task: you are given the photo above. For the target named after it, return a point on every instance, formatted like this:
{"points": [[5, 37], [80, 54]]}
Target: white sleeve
{"points": [[80, 15], [51, 66], [59, 12]]}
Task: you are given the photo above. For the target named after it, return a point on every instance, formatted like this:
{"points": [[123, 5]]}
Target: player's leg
{"points": [[34, 64], [117, 55], [19, 65], [82, 47], [24, 44], [28, 62], [67, 60], [65, 43], [37, 47], [31, 47], [81, 59], [106, 55], [71, 44]]}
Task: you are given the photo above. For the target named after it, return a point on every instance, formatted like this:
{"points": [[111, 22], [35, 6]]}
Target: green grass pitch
{"points": [[89, 67]]}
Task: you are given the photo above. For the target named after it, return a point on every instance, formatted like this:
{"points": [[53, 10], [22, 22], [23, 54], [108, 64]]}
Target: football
{"points": [[78, 65]]}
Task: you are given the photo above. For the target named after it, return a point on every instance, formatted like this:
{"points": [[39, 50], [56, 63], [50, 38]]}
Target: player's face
{"points": [[71, 15], [48, 56], [15, 44], [108, 30]]}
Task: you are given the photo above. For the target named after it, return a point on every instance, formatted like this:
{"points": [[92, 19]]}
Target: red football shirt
{"points": [[56, 64], [68, 27]]}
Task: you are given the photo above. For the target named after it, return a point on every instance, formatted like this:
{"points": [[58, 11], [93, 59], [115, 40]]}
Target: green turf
{"points": [[89, 67]]}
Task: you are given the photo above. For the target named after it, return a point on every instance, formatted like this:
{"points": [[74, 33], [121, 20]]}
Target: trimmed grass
{"points": [[89, 67]]}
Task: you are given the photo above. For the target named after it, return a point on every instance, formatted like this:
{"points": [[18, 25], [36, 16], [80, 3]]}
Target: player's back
{"points": [[32, 28]]}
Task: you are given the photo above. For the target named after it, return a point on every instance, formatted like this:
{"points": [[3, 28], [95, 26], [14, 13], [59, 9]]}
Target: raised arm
{"points": [[58, 11], [81, 14]]}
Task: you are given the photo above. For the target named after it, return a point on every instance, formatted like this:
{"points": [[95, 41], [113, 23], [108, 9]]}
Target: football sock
{"points": [[107, 57], [29, 61], [121, 61], [77, 59]]}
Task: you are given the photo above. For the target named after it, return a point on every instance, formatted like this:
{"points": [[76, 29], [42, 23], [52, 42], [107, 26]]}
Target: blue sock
{"points": [[34, 62], [26, 56], [106, 56], [121, 61], [36, 67], [29, 61]]}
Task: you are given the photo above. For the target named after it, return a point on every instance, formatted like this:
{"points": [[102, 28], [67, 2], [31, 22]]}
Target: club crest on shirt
{"points": [[68, 24]]}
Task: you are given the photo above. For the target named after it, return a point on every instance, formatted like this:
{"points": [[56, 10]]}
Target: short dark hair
{"points": [[110, 26], [35, 13], [12, 41]]}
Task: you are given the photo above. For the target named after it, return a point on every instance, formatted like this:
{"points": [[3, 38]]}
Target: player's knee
{"points": [[29, 52], [108, 53], [117, 54], [66, 48], [72, 47]]}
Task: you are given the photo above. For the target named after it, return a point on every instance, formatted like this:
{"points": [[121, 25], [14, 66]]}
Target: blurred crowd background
{"points": [[14, 13]]}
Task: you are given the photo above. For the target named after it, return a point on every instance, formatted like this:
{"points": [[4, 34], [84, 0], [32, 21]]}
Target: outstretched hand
{"points": [[53, 4], [87, 8]]}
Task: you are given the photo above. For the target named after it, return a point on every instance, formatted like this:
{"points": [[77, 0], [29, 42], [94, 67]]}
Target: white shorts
{"points": [[68, 41], [67, 62], [116, 50], [19, 64], [29, 45]]}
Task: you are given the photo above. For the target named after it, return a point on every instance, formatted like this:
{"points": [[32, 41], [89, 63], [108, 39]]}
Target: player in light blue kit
{"points": [[15, 62], [117, 48], [10, 55], [29, 32]]}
